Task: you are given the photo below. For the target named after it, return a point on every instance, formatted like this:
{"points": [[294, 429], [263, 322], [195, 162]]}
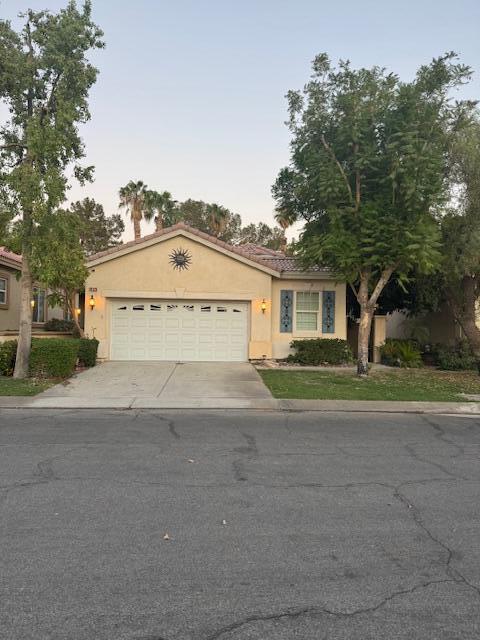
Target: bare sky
{"points": [[190, 96]]}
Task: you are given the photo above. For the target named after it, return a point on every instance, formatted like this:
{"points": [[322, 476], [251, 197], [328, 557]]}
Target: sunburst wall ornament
{"points": [[180, 259]]}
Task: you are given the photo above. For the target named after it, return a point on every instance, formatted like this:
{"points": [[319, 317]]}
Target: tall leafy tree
{"points": [[460, 229], [45, 78], [60, 257], [263, 235], [367, 172], [96, 230], [213, 219], [135, 199]]}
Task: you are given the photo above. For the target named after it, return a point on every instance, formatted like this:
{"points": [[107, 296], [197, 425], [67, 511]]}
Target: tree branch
{"points": [[382, 281], [13, 144], [358, 184], [331, 153]]}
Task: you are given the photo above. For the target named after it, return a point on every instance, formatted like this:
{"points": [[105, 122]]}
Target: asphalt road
{"points": [[281, 526]]}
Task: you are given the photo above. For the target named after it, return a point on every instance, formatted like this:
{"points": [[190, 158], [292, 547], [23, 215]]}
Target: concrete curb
{"points": [[380, 406], [245, 404]]}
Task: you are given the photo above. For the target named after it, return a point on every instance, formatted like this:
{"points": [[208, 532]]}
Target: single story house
{"points": [[10, 268], [181, 294]]}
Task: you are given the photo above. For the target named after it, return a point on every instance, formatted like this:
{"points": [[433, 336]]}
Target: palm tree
{"points": [[284, 220], [134, 199], [217, 218], [162, 208]]}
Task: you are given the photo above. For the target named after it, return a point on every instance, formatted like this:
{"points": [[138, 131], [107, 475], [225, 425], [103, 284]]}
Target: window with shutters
{"points": [[307, 307]]}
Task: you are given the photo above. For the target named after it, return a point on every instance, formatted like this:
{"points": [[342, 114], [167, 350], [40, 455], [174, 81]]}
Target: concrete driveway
{"points": [[150, 385]]}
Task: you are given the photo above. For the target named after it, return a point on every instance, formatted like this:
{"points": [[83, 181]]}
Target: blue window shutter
{"points": [[328, 312], [286, 311]]}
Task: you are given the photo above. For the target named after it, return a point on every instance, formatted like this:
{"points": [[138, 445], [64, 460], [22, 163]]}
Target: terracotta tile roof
{"points": [[258, 250], [275, 260], [291, 264], [9, 255]]}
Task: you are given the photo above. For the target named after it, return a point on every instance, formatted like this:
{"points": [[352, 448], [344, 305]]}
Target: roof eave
{"points": [[311, 275], [12, 264]]}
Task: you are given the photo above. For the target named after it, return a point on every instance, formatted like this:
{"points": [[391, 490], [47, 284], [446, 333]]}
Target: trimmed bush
{"points": [[56, 324], [87, 351], [456, 358], [8, 352], [53, 357], [401, 353], [320, 351]]}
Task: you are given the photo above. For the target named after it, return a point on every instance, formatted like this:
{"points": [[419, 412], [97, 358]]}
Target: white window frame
{"points": [[307, 332], [4, 303]]}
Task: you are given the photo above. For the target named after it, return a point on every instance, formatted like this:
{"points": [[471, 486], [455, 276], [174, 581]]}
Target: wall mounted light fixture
{"points": [[32, 303], [263, 306], [91, 302]]}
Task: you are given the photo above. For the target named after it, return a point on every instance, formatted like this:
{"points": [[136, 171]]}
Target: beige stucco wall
{"points": [[147, 273], [212, 275], [281, 341], [436, 327], [9, 317], [379, 335]]}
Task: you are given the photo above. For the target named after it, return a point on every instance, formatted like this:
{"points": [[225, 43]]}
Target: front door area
{"points": [[179, 330]]}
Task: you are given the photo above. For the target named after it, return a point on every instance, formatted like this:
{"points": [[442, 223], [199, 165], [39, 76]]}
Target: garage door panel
{"points": [[179, 330]]}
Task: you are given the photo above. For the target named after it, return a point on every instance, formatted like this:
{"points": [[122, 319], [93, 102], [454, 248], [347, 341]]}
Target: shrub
{"points": [[53, 357], [321, 351], [56, 324], [87, 352], [8, 352], [400, 353], [455, 358]]}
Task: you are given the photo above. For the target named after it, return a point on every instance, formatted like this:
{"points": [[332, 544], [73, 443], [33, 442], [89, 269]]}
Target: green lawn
{"points": [[27, 387], [398, 384]]}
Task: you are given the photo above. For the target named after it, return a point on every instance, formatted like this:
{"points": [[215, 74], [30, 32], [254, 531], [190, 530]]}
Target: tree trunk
{"points": [[364, 330], [136, 228], [158, 222], [464, 312], [368, 305], [70, 298], [25, 325]]}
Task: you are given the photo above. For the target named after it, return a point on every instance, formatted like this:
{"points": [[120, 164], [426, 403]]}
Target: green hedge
{"points": [[320, 351], [87, 351], [51, 357], [8, 351], [57, 324], [455, 358]]}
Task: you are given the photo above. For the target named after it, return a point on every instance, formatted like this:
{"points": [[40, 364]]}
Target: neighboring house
{"points": [[180, 294], [10, 268]]}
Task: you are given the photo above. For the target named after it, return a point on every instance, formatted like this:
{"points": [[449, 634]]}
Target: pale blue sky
{"points": [[190, 96]]}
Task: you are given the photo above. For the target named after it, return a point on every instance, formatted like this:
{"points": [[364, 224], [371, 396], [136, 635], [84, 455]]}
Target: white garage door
{"points": [[179, 330]]}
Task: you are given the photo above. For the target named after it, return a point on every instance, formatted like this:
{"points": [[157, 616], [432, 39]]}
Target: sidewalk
{"points": [[258, 404]]}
